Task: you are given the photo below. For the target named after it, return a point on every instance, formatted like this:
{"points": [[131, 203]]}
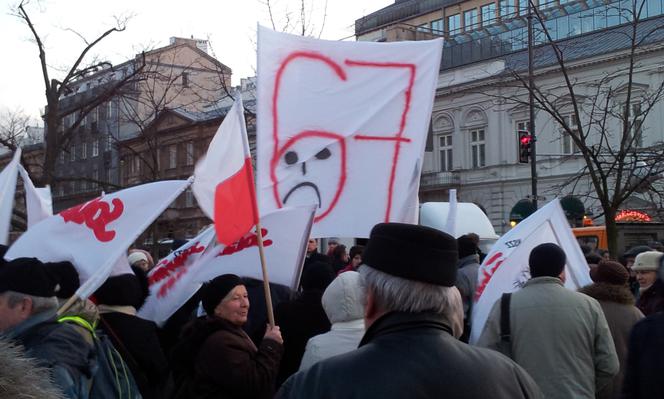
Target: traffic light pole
{"points": [[531, 106]]}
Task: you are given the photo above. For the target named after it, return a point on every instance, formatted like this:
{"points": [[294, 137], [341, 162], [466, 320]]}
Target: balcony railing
{"points": [[434, 180]]}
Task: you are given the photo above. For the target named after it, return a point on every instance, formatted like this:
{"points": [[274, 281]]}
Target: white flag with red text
{"points": [[505, 268], [342, 125], [285, 235], [94, 235], [38, 202], [224, 179], [7, 190]]}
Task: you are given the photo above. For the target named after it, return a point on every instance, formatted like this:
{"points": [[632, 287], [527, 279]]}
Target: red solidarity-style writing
{"points": [[492, 265], [167, 267], [96, 215], [249, 240]]}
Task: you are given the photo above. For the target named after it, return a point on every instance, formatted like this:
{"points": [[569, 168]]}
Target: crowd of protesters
{"points": [[388, 320]]}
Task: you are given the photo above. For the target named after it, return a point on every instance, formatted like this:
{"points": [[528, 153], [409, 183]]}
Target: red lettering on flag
{"points": [[487, 272], [166, 268], [249, 240], [96, 215]]}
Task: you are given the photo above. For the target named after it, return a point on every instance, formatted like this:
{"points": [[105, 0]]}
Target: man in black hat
{"points": [[559, 336], [413, 314], [28, 305]]}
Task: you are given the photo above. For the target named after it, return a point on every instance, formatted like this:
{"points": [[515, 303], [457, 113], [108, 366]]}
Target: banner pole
{"points": [[65, 307], [266, 280]]}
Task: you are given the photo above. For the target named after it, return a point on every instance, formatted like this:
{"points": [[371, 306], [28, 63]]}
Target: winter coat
{"points": [[645, 360], [466, 283], [257, 318], [617, 302], [299, 320], [343, 302], [652, 299], [137, 341], [559, 336], [412, 355], [59, 348], [216, 359], [22, 377]]}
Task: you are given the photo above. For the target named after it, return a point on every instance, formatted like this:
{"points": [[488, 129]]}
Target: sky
{"points": [[230, 25]]}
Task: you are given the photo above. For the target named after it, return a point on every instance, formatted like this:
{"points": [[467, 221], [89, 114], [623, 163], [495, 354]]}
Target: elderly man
{"points": [[412, 313], [559, 336], [28, 305]]}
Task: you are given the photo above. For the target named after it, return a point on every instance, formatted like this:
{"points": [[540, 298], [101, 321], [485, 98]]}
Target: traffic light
{"points": [[525, 139]]}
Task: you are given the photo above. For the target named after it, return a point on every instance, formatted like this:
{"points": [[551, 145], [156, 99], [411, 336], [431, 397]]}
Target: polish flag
{"points": [[224, 179]]}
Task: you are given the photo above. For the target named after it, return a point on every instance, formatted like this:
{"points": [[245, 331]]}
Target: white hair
{"points": [[39, 303], [396, 294]]}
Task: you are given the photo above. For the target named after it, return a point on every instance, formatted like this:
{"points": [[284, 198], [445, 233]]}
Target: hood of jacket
{"points": [[344, 298], [609, 293]]}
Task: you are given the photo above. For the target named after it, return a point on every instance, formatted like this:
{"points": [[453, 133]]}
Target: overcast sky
{"points": [[230, 25]]}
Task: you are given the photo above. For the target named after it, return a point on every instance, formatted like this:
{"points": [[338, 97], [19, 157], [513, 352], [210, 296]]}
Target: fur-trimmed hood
{"points": [[609, 293], [21, 376]]}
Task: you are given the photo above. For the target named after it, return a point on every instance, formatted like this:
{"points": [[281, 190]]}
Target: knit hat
{"points": [[467, 246], [216, 289], [28, 276], [610, 272], [413, 252], [67, 277], [547, 259], [136, 256], [647, 261]]}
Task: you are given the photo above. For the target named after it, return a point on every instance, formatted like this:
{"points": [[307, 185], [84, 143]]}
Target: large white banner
{"points": [[285, 235], [7, 190], [342, 126], [505, 268], [95, 234], [38, 201]]}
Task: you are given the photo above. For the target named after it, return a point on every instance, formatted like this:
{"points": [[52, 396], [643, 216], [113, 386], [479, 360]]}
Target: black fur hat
{"points": [[547, 259]]}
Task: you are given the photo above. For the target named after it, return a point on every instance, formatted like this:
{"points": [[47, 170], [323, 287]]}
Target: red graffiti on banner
{"points": [[165, 268], [249, 240], [96, 215], [488, 271]]}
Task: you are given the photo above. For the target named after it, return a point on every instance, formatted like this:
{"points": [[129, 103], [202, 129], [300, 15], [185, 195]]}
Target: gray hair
{"points": [[39, 303], [396, 294]]}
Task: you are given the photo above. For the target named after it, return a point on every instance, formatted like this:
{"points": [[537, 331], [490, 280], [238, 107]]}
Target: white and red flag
{"points": [[38, 201], [7, 190], [94, 235], [224, 179], [505, 268], [285, 235]]}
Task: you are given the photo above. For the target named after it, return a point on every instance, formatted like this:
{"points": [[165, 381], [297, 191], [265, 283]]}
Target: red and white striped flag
{"points": [[224, 179]]}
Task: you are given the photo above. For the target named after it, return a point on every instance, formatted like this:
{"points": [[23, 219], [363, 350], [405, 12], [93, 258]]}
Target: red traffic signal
{"points": [[525, 139]]}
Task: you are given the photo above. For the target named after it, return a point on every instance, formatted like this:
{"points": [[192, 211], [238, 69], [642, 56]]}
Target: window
{"points": [[72, 153], [185, 79], [109, 175], [423, 28], [84, 150], [109, 142], [523, 125], [109, 110], [188, 199], [470, 19], [84, 185], [445, 152], [172, 156], [488, 14], [437, 27], [523, 7], [93, 115], [635, 124], [136, 168], [95, 176], [61, 157], [507, 9], [189, 153], [568, 145], [95, 147], [454, 24], [477, 148]]}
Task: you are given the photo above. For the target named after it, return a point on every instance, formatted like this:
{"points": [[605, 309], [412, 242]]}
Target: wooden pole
{"points": [[65, 307], [266, 280]]}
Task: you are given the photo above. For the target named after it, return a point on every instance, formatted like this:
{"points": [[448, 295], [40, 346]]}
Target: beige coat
{"points": [[559, 336]]}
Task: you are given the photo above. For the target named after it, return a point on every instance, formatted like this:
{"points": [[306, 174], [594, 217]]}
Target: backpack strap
{"points": [[80, 321], [505, 332]]}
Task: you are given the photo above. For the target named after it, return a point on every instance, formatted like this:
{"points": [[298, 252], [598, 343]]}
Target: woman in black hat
{"points": [[216, 358]]}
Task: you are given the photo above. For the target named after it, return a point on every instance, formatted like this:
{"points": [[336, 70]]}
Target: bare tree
{"points": [[602, 116]]}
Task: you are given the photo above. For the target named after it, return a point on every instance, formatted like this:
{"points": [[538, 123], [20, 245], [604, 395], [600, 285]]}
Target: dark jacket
{"points": [[216, 359], [137, 341], [406, 355], [59, 348], [652, 300], [617, 302], [645, 360], [257, 318], [299, 320]]}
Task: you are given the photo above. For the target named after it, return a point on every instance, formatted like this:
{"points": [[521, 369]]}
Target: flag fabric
{"points": [[7, 190], [285, 234], [94, 235], [505, 268], [224, 179], [37, 200], [343, 126]]}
